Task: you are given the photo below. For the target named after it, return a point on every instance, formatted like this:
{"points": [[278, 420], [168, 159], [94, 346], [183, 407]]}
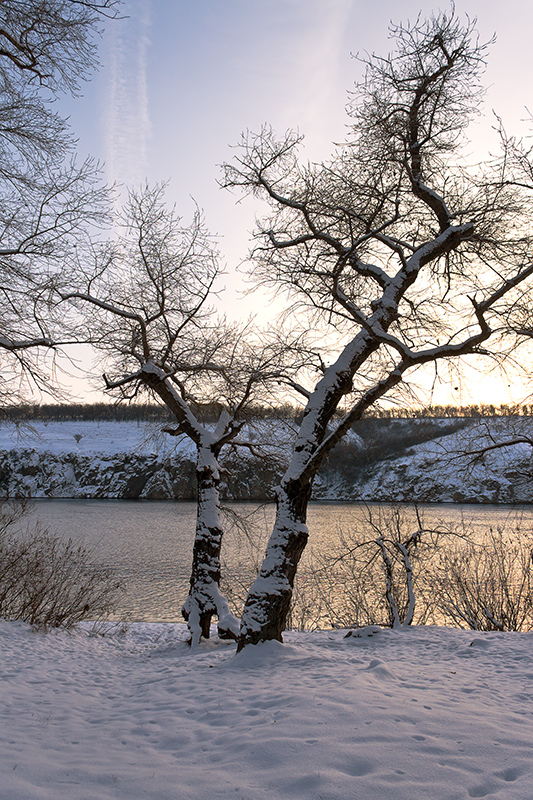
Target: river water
{"points": [[149, 544]]}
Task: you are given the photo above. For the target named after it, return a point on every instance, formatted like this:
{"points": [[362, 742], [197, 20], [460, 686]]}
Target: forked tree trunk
{"points": [[268, 602], [205, 599]]}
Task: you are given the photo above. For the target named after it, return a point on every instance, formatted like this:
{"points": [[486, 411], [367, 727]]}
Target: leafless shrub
{"points": [[395, 570], [47, 582], [378, 573], [487, 585], [407, 572]]}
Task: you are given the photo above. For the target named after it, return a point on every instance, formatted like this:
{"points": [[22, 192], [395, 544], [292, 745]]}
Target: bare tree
{"points": [[51, 43], [376, 573], [398, 243], [145, 300], [46, 48]]}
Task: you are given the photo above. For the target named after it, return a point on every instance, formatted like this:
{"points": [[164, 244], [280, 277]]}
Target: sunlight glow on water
{"points": [[150, 543]]}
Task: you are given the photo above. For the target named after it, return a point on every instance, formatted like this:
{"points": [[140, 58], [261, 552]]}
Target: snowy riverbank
{"points": [[415, 714]]}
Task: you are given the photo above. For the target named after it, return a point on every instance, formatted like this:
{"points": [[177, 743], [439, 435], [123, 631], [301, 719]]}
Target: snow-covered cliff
{"points": [[121, 460], [127, 460], [449, 468]]}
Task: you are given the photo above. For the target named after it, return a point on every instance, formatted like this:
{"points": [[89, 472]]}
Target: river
{"points": [[149, 544]]}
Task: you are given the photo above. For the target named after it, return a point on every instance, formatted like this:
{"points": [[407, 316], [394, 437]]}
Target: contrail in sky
{"points": [[128, 119]]}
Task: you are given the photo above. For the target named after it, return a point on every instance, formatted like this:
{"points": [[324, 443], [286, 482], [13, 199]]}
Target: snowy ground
{"points": [[108, 438], [112, 437], [420, 714]]}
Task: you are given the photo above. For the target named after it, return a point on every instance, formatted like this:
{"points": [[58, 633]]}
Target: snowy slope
{"points": [[107, 438], [131, 460], [442, 471], [113, 437], [123, 460], [438, 470], [420, 714]]}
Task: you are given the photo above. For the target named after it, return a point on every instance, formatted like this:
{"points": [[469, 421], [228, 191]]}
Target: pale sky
{"points": [[180, 80]]}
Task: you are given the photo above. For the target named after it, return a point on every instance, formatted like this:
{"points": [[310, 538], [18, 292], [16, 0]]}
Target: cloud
{"points": [[127, 108]]}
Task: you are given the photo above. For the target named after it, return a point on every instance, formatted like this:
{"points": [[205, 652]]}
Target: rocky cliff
{"points": [[27, 473]]}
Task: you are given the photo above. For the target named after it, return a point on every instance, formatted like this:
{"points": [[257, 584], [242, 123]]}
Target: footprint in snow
{"points": [[493, 786]]}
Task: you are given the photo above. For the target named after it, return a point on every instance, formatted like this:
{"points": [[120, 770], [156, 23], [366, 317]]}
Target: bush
{"points": [[470, 578], [375, 574], [47, 582], [488, 585]]}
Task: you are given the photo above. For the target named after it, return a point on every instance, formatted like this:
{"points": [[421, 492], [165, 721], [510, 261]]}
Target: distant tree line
{"points": [[151, 412], [96, 412], [441, 412], [120, 412]]}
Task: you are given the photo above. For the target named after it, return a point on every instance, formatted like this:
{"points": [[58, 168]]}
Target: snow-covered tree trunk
{"points": [[404, 550], [205, 599], [268, 601], [391, 602], [267, 605]]}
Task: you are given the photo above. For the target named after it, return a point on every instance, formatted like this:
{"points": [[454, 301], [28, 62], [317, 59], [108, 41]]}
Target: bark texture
{"points": [[268, 601], [205, 599]]}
